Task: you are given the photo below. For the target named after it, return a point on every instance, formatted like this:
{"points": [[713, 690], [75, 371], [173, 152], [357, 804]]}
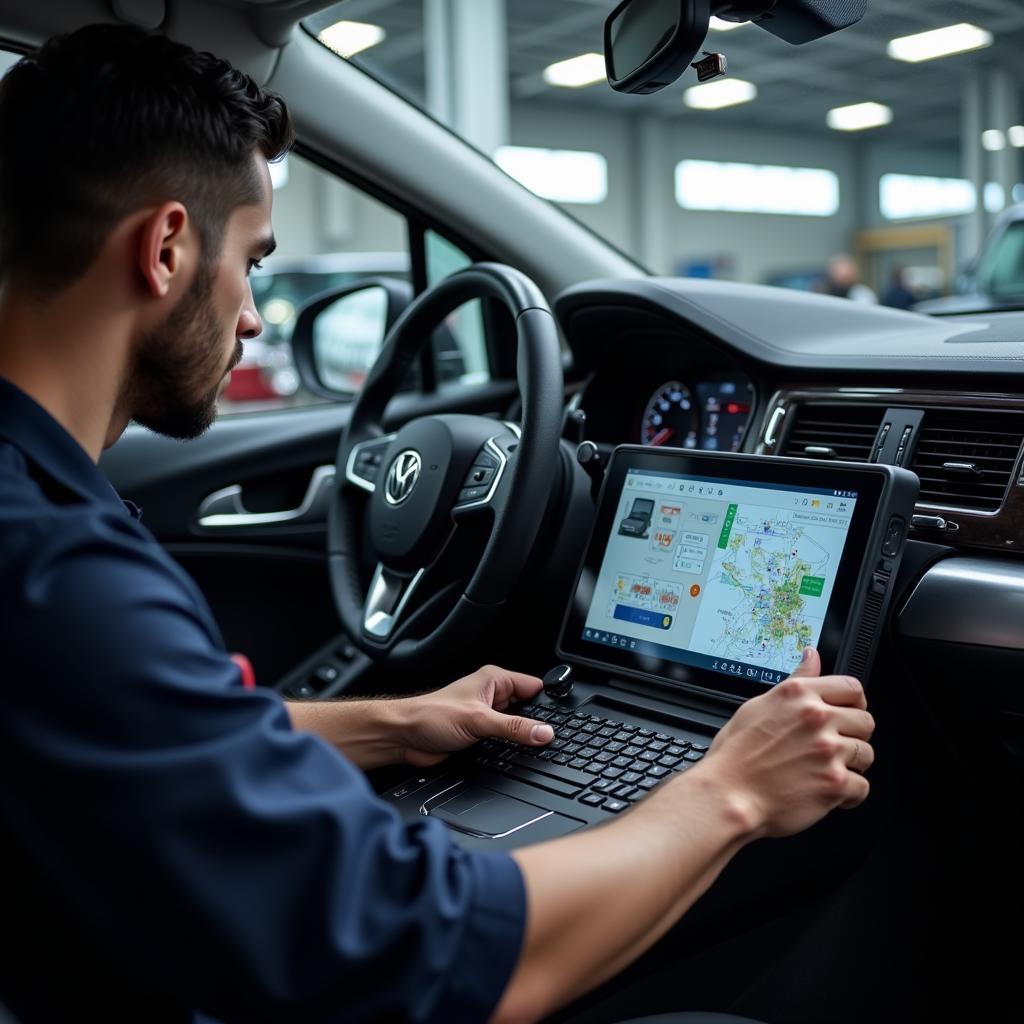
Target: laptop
{"points": [[704, 578]]}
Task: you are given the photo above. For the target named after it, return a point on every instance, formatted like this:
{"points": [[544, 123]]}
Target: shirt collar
{"points": [[43, 441]]}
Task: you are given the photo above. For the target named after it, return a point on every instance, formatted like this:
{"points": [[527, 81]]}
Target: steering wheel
{"points": [[418, 487]]}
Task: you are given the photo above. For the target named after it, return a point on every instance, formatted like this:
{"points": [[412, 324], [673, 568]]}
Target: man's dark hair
{"points": [[109, 119]]}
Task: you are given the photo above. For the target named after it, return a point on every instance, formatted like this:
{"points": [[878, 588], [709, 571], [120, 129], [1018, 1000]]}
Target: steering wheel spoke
{"points": [[386, 599], [365, 461]]}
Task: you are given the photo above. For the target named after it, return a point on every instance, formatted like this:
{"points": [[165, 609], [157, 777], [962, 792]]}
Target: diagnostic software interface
{"points": [[726, 575]]}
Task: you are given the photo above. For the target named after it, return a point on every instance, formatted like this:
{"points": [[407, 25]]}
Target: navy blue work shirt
{"points": [[170, 847]]}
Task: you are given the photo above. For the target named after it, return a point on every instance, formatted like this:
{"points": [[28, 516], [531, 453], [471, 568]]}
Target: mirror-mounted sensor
{"points": [[710, 66]]}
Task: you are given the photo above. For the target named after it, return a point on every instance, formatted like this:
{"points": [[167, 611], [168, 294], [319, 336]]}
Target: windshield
{"points": [[870, 164]]}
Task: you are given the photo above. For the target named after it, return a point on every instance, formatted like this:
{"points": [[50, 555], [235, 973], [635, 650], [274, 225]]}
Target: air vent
{"points": [[833, 432], [965, 459]]}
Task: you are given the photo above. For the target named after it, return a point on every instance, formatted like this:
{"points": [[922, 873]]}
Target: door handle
{"points": [[224, 509]]}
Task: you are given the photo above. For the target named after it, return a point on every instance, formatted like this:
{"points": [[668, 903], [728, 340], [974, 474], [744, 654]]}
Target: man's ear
{"points": [[165, 252]]}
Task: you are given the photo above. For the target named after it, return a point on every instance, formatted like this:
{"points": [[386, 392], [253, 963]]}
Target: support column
{"points": [[654, 186], [972, 160], [467, 69], [1004, 165]]}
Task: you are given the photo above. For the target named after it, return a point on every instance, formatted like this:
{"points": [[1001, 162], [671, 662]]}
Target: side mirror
{"points": [[338, 334]]}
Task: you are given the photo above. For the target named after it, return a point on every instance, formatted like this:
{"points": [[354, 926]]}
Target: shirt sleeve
{"points": [[248, 868]]}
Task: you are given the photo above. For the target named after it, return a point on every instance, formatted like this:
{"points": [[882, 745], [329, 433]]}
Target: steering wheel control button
{"points": [[368, 465], [472, 494], [485, 460], [479, 476], [558, 682]]}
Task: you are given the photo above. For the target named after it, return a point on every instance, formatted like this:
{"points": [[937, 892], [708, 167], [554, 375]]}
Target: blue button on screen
{"points": [[642, 617]]}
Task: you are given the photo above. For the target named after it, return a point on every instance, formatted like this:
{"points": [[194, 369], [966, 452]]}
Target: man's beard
{"points": [[173, 384]]}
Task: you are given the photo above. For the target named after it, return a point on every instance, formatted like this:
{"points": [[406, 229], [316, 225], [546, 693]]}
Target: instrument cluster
{"points": [[710, 415]]}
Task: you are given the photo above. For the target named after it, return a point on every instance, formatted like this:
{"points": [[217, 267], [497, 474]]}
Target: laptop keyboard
{"points": [[598, 761]]}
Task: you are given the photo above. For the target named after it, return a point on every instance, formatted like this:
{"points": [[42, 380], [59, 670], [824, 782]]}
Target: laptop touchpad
{"points": [[482, 812]]}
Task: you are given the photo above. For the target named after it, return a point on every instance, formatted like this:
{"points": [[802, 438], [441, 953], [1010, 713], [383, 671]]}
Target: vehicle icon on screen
{"points": [[638, 522]]}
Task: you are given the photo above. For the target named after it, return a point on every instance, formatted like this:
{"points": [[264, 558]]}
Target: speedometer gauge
{"points": [[670, 417]]}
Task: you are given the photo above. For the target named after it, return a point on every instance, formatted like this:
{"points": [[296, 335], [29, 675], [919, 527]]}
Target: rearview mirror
{"points": [[339, 334], [648, 44]]}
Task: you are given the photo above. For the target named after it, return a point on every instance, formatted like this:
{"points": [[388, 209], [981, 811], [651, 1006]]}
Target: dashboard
{"points": [[765, 371]]}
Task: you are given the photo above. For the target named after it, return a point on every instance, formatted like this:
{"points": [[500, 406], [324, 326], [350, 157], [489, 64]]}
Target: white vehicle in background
{"points": [[994, 279]]}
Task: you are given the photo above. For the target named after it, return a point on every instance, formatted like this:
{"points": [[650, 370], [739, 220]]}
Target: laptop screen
{"points": [[705, 571], [719, 572]]}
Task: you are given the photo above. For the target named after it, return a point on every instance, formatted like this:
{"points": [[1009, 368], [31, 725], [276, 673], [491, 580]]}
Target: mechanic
{"points": [[177, 845]]}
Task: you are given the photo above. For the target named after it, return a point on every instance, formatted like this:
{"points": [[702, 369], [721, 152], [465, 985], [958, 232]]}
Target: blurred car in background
{"points": [[995, 277], [266, 373]]}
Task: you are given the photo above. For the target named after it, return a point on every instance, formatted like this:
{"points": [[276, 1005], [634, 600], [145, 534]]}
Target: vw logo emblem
{"points": [[402, 476]]}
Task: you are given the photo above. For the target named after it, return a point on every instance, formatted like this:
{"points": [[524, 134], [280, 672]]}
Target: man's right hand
{"points": [[599, 897], [796, 752]]}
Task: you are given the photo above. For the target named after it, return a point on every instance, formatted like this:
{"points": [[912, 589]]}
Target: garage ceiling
{"points": [[797, 85]]}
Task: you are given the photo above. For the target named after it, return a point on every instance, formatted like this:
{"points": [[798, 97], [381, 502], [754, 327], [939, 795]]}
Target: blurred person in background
{"points": [[898, 294], [842, 279]]}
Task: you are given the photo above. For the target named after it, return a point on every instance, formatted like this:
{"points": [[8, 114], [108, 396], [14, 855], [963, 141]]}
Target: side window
{"points": [[329, 234], [460, 352]]}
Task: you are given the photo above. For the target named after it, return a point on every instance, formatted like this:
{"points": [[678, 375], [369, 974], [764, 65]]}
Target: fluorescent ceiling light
{"points": [[347, 38], [576, 72], [725, 93], [756, 188], [720, 25], [1015, 135], [858, 116], [993, 140], [940, 42], [564, 175]]}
